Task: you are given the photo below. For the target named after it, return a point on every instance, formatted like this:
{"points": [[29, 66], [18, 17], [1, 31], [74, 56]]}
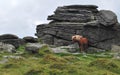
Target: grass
{"points": [[47, 63]]}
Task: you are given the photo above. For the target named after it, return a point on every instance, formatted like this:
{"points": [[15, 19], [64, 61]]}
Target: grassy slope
{"points": [[60, 64]]}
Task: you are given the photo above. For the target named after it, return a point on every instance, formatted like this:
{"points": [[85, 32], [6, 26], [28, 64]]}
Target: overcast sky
{"points": [[20, 17]]}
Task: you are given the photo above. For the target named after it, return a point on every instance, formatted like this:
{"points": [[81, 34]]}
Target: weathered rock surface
{"points": [[94, 50], [33, 47], [100, 27], [107, 17], [47, 39], [116, 51], [7, 48]]}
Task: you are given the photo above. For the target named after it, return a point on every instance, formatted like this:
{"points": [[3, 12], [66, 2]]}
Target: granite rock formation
{"points": [[101, 27]]}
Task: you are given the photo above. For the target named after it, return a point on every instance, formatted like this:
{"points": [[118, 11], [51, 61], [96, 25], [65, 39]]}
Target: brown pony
{"points": [[82, 41]]}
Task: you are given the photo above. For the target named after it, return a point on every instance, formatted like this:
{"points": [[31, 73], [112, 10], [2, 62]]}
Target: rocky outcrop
{"points": [[11, 39], [100, 27]]}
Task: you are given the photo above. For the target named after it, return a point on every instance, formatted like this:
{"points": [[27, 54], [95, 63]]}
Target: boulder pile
{"points": [[101, 27], [11, 39], [16, 41]]}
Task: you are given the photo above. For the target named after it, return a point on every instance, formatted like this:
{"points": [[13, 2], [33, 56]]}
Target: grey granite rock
{"points": [[33, 47], [107, 18]]}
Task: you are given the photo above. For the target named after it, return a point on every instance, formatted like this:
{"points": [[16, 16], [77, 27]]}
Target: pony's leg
{"points": [[79, 46], [82, 48], [85, 47]]}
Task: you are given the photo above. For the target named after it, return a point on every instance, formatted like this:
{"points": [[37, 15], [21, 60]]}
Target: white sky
{"points": [[20, 17]]}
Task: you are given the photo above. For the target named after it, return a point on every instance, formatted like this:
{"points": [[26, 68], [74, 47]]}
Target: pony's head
{"points": [[76, 38]]}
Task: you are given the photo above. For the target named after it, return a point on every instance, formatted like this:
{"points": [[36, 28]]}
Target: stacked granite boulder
{"points": [[101, 27]]}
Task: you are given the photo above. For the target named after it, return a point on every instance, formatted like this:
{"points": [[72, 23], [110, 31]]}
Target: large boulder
{"points": [[30, 39], [97, 34], [107, 17]]}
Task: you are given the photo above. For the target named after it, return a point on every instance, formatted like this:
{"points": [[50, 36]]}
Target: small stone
{"points": [[3, 61]]}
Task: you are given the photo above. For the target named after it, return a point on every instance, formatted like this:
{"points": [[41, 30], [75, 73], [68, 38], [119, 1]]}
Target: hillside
{"points": [[47, 63]]}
